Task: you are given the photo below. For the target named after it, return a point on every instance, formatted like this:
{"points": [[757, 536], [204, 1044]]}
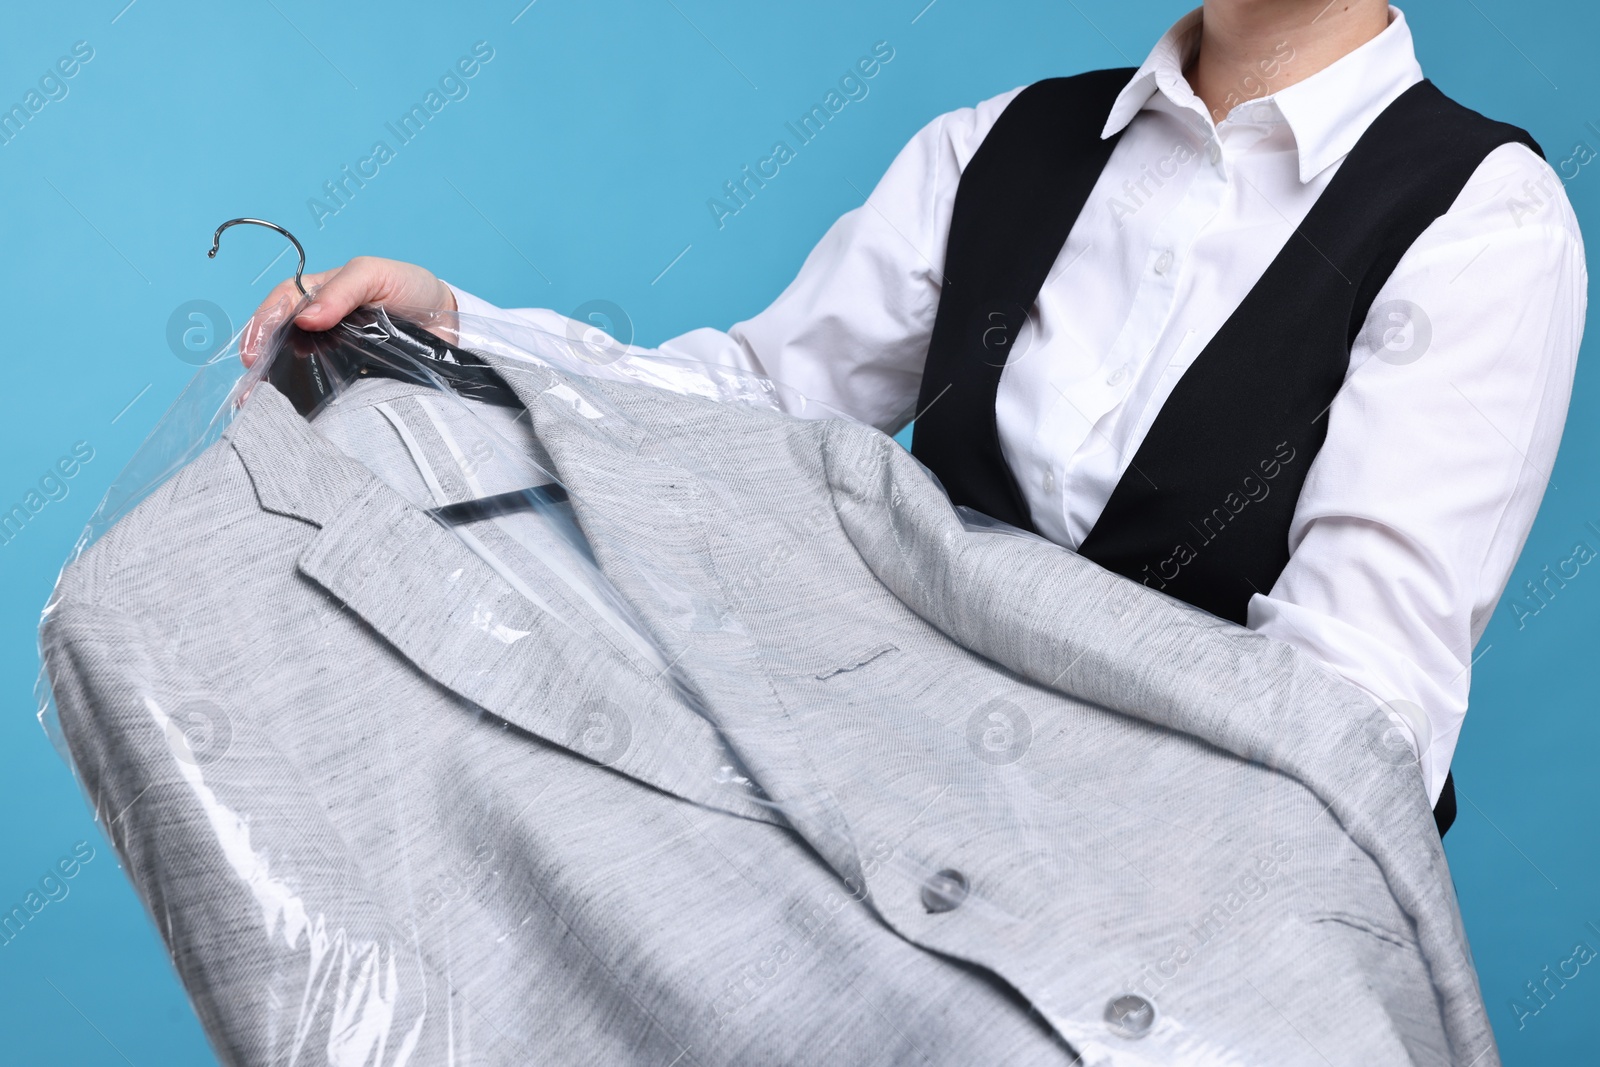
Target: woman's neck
{"points": [[1249, 48]]}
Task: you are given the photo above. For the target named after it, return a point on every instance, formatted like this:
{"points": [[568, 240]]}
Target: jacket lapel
{"points": [[678, 557], [445, 610]]}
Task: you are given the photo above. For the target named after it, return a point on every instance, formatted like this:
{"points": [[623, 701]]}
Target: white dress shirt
{"points": [[1439, 444]]}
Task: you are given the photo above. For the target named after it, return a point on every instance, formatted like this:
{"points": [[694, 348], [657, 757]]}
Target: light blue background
{"points": [[579, 168]]}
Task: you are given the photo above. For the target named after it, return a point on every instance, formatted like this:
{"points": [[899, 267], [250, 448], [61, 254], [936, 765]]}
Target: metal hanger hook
{"points": [[299, 271]]}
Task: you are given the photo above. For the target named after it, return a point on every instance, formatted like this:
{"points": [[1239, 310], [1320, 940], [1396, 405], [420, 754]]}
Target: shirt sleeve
{"points": [[1440, 445], [852, 329]]}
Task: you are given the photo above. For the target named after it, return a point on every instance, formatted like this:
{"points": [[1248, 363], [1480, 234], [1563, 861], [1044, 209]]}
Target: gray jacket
{"points": [[880, 788]]}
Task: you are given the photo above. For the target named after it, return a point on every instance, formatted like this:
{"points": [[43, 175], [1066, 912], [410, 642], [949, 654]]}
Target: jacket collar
{"points": [[1327, 112], [295, 471]]}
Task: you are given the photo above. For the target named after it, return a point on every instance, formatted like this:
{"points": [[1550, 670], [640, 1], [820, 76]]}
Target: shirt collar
{"points": [[1327, 112]]}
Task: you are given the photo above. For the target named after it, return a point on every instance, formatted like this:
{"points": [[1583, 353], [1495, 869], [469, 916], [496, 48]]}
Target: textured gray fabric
{"points": [[413, 845]]}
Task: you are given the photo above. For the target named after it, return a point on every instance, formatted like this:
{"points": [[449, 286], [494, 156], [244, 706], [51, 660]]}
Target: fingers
{"points": [[337, 292], [278, 305], [284, 293]]}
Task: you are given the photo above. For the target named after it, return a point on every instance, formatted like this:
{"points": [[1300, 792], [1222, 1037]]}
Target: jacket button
{"points": [[944, 891], [1130, 1015]]}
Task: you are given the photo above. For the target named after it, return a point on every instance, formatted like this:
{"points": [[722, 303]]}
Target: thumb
{"points": [[341, 294]]}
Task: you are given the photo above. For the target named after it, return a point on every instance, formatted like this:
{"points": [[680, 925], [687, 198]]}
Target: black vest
{"points": [[1189, 516]]}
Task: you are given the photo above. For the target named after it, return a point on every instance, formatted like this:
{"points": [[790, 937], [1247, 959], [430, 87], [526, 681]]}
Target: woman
{"points": [[1142, 315]]}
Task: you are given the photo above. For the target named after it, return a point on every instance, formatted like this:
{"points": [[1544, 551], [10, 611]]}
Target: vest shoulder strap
{"points": [[1015, 204]]}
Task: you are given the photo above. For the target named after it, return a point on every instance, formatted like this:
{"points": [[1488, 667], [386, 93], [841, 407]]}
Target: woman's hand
{"points": [[335, 293]]}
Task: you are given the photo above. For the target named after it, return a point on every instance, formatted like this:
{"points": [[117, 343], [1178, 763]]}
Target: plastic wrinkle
{"points": [[366, 981]]}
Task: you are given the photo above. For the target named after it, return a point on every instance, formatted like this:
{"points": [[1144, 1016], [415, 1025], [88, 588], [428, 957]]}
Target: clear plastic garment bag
{"points": [[456, 692]]}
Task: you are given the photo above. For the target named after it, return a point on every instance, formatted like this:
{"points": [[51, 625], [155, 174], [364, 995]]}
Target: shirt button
{"points": [[1163, 263], [1130, 1015], [944, 891], [1263, 113], [1116, 376], [1049, 481]]}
